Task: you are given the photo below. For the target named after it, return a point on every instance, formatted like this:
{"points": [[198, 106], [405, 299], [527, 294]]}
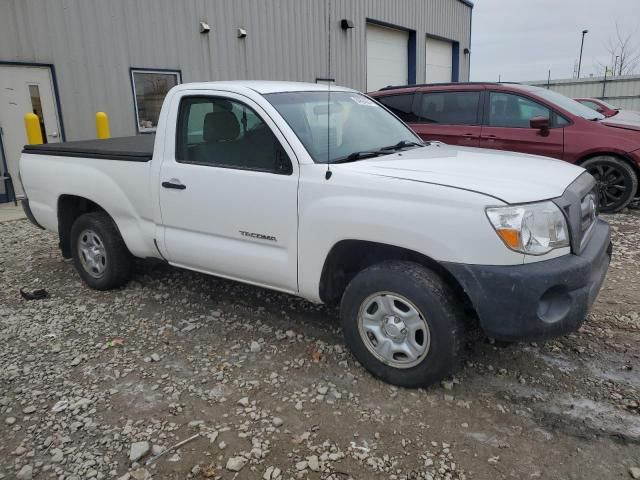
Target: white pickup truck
{"points": [[327, 195]]}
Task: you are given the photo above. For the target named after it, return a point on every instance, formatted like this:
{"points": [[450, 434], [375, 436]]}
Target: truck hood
{"points": [[507, 176]]}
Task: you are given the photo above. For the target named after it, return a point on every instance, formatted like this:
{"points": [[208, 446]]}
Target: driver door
{"points": [[228, 196]]}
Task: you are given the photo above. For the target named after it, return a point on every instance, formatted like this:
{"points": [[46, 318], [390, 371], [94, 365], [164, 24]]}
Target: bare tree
{"points": [[624, 52]]}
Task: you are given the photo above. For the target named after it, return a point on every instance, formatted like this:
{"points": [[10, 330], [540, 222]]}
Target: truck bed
{"points": [[138, 148]]}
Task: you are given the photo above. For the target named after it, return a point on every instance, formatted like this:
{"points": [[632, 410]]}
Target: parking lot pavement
{"points": [[94, 384]]}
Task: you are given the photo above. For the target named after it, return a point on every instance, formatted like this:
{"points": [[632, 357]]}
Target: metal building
{"points": [[65, 60], [620, 91]]}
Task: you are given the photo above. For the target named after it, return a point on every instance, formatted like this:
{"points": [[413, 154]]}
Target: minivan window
{"points": [[558, 120], [450, 108], [514, 111], [401, 105]]}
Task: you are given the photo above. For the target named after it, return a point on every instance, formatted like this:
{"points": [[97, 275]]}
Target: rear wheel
{"points": [[99, 253], [402, 323], [616, 179]]}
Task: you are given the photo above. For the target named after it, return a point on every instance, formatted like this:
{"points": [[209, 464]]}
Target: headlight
{"points": [[534, 229]]}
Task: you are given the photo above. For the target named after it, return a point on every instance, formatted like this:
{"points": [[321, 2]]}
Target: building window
{"points": [[149, 89]]}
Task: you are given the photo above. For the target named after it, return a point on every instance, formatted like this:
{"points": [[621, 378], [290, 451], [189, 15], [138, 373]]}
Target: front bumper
{"points": [[537, 300]]}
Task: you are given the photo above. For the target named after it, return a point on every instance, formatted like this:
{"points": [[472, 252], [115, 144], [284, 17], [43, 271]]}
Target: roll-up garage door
{"points": [[438, 60], [387, 57]]}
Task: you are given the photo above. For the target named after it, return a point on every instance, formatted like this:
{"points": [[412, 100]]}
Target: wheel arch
{"points": [[621, 156], [69, 208], [624, 158], [349, 257]]}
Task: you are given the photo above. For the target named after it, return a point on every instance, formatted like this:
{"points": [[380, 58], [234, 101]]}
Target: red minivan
{"points": [[525, 119]]}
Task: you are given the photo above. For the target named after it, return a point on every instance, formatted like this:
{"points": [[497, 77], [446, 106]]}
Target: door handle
{"points": [[175, 184], [54, 135], [468, 135], [490, 136]]}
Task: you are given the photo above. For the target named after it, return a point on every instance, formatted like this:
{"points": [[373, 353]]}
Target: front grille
{"points": [[579, 202]]}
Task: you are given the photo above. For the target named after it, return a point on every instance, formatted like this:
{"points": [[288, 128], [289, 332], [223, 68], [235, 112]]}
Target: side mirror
{"points": [[540, 123]]}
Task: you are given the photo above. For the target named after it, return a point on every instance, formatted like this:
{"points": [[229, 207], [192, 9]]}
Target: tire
{"points": [[617, 180], [390, 284], [99, 253]]}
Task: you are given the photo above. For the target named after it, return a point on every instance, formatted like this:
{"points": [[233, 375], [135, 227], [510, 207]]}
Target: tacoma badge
{"points": [[259, 236]]}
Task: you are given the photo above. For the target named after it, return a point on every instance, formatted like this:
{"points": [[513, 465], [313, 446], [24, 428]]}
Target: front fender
{"points": [[442, 223]]}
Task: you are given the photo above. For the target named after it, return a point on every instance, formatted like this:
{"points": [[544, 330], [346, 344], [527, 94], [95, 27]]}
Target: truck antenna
{"points": [[328, 173]]}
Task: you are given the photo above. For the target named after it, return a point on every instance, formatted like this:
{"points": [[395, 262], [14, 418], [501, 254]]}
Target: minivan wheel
{"points": [[99, 253], [402, 323], [616, 179]]}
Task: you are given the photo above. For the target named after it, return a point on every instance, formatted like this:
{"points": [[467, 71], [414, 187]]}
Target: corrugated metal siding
{"points": [[93, 43], [623, 91]]}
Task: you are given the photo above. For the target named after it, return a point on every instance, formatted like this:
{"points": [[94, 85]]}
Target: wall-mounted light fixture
{"points": [[346, 24], [466, 51], [204, 27], [242, 33], [326, 81]]}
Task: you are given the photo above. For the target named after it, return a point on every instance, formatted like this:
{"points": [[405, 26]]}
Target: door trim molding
{"points": [[54, 81]]}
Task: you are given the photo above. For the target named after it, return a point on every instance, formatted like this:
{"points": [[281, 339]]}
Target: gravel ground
{"points": [[95, 384]]}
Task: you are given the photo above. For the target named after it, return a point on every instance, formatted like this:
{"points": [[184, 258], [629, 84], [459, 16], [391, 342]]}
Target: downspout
{"points": [[470, 28]]}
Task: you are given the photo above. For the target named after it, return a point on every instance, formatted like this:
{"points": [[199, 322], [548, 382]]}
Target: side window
{"points": [[450, 108], [401, 105], [559, 120], [591, 105], [514, 111], [220, 132]]}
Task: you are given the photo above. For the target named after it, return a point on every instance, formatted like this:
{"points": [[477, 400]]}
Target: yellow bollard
{"points": [[102, 125], [32, 125]]}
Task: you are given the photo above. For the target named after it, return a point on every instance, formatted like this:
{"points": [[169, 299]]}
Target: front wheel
{"points": [[402, 323], [617, 181], [99, 253]]}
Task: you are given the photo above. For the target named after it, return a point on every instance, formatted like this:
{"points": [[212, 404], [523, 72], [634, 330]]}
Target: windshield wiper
{"points": [[402, 144], [376, 153], [355, 156]]}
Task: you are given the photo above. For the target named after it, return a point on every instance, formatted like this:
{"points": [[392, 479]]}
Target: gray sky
{"points": [[523, 39]]}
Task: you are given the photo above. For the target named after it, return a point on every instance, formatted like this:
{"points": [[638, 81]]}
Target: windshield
{"points": [[355, 123], [569, 104], [608, 105]]}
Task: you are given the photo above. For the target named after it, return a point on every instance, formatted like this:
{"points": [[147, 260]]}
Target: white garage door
{"points": [[387, 57], [439, 61]]}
